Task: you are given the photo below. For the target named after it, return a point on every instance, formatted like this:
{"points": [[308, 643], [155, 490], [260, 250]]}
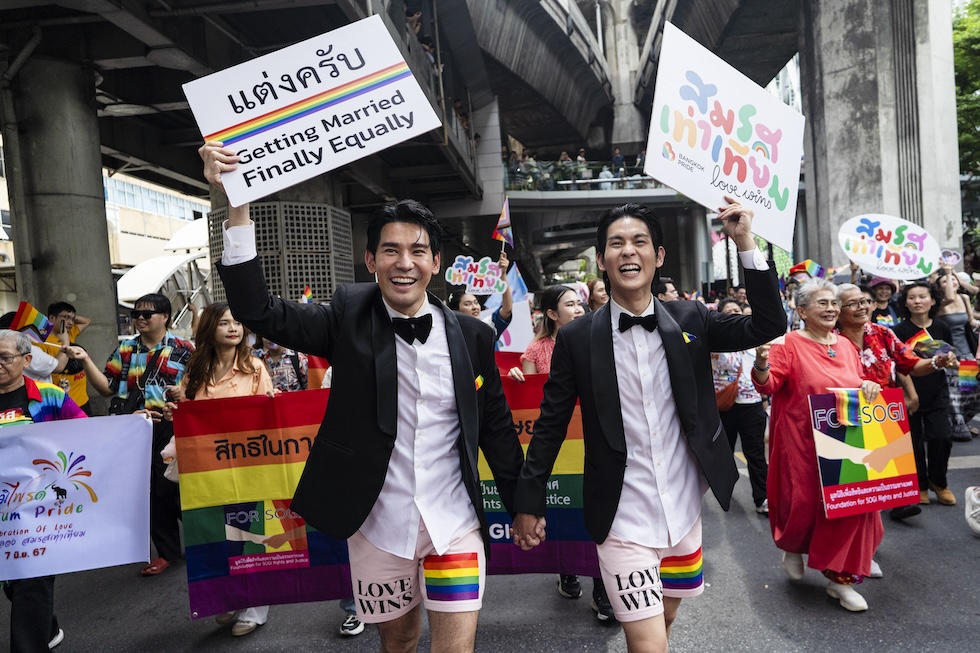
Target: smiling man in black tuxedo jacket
{"points": [[653, 439], [415, 392]]}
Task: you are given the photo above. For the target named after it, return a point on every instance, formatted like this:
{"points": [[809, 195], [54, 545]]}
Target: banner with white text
{"points": [[74, 495], [240, 460], [309, 108], [715, 132]]}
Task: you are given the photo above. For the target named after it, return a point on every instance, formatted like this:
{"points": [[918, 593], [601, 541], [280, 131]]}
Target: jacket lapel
{"points": [[464, 378], [680, 367], [605, 386], [385, 367]]}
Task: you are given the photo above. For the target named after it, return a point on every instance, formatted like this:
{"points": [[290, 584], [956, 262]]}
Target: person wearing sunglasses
{"points": [[146, 364]]}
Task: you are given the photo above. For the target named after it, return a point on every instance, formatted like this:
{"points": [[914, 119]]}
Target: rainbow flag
{"points": [[848, 405], [307, 297], [503, 231], [926, 346], [452, 577], [31, 322], [808, 266], [968, 376]]}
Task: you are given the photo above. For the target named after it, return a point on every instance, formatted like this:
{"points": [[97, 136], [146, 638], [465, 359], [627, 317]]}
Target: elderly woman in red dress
{"points": [[805, 362]]}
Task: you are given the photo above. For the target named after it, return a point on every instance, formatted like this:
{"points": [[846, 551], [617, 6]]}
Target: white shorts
{"points": [[387, 586], [637, 578]]}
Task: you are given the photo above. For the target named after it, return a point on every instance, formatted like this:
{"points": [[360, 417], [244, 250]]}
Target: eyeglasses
{"points": [[143, 315], [858, 302], [7, 359], [824, 304]]}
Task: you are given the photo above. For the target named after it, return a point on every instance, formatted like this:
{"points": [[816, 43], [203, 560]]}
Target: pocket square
{"points": [[479, 382], [689, 337]]}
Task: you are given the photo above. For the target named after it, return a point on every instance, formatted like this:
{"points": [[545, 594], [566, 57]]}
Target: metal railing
{"points": [[590, 175]]}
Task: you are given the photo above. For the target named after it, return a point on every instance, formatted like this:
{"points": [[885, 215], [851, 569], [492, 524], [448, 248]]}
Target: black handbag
{"points": [[133, 401]]}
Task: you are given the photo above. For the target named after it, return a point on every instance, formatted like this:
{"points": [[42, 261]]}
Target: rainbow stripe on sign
{"points": [[452, 577], [311, 105], [848, 405], [682, 572]]}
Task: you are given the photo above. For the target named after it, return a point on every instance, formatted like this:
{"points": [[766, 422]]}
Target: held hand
{"points": [[878, 459], [154, 415], [912, 404], [168, 411], [516, 374], [217, 159], [76, 353], [176, 392], [737, 223], [528, 531], [870, 389], [503, 262], [950, 361]]}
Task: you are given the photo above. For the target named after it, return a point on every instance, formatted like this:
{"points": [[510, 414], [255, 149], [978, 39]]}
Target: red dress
{"points": [[801, 367]]}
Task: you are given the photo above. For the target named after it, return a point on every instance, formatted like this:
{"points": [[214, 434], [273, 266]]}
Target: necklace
{"points": [[830, 346]]}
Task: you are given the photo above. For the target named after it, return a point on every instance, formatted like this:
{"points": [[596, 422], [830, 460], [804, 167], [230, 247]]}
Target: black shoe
{"points": [[569, 587], [602, 608], [903, 512]]}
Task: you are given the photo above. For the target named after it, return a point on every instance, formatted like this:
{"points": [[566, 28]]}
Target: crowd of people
{"points": [[526, 170], [640, 363]]}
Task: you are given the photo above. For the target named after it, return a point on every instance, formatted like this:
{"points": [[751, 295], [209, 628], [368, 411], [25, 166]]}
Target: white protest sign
{"points": [[715, 132], [482, 277], [309, 108], [519, 334], [889, 247], [74, 495]]}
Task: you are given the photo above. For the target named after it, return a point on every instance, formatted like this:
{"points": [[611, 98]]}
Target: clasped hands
{"points": [[528, 531]]}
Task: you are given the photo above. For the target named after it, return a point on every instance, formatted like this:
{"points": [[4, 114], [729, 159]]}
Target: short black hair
{"points": [[934, 291], [662, 285], [56, 307], [408, 211], [725, 301], [631, 210], [7, 319], [160, 303]]}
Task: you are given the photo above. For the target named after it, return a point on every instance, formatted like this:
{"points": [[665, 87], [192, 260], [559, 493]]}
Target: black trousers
{"points": [[32, 620], [749, 421], [164, 499], [932, 443]]}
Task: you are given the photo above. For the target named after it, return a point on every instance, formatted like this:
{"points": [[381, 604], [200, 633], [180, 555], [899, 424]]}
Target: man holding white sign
{"points": [[33, 624], [415, 392]]}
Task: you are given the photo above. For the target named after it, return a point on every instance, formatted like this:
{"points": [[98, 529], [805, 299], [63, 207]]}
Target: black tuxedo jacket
{"points": [[583, 368], [347, 466]]}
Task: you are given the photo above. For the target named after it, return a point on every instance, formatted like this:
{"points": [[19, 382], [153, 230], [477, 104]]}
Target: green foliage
{"points": [[966, 61]]}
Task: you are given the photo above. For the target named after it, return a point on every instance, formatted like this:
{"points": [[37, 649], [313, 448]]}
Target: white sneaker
{"points": [[973, 508], [876, 570], [848, 597], [763, 508], [793, 565], [57, 639]]}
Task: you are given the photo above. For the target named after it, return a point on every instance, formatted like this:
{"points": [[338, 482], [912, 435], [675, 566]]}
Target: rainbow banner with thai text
{"points": [[714, 132], [568, 548], [310, 108], [240, 460], [869, 465], [74, 495]]}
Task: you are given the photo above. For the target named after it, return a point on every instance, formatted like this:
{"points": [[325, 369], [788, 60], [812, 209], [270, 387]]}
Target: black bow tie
{"points": [[410, 328], [627, 321]]}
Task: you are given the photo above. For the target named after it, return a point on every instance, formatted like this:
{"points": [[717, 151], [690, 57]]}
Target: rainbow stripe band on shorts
{"points": [[682, 572], [452, 577]]}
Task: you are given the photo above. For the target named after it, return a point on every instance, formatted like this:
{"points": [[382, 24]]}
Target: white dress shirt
{"points": [[423, 483]]}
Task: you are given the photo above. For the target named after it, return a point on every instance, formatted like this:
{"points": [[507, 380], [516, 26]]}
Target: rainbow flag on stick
{"points": [[848, 405], [307, 297], [926, 346], [32, 323], [968, 376], [503, 231]]}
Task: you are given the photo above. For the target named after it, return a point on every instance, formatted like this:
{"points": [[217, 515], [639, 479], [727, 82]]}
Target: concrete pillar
{"points": [[64, 197], [629, 130], [879, 99]]}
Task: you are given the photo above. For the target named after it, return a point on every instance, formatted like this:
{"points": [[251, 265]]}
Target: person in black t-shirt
{"points": [[931, 433]]}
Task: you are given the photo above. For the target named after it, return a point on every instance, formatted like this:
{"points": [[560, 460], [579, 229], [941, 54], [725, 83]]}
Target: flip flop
{"points": [[156, 566]]}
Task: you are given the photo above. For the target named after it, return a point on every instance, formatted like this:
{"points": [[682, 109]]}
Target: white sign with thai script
{"points": [[309, 108], [74, 495]]}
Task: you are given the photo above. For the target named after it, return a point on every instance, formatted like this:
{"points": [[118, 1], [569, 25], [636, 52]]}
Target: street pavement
{"points": [[927, 601]]}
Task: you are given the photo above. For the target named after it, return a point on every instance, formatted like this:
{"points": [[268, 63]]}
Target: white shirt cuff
{"points": [[239, 243], [753, 259]]}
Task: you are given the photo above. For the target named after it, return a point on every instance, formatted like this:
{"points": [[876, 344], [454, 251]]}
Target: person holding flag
{"points": [[503, 231]]}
